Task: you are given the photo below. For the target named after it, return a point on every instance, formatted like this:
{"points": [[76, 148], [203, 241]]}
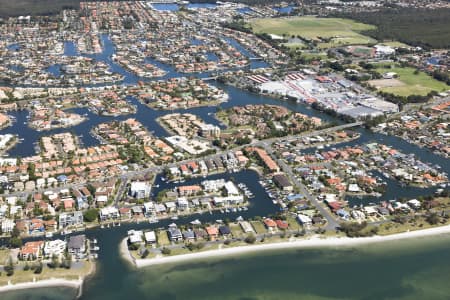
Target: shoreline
{"points": [[314, 242], [46, 283], [76, 284]]}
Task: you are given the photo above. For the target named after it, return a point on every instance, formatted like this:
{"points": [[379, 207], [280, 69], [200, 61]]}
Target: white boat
{"points": [[48, 234], [174, 218]]}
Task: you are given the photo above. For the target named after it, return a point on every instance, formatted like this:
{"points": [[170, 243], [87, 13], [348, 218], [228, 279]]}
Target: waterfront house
{"points": [[246, 227], [54, 248], [70, 219], [212, 232], [150, 237], [270, 224], [135, 236], [31, 250], [77, 246], [189, 235], [225, 231], [174, 233], [140, 190], [125, 213]]}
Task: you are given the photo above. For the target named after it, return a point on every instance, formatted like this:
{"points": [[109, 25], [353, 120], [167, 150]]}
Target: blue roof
{"points": [[62, 177], [294, 197]]}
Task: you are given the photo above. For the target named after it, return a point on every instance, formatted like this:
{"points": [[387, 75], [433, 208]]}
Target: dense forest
{"points": [[35, 7], [418, 27]]}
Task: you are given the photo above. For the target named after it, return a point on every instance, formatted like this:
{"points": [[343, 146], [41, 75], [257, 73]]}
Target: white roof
{"points": [[150, 236]]}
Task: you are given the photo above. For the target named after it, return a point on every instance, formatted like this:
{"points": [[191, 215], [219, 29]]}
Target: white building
{"points": [[7, 225], [109, 212], [140, 189], [150, 237], [135, 236], [56, 247]]}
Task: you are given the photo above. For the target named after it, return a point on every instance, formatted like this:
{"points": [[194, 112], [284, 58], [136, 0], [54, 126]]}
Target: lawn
{"points": [[259, 227], [330, 32], [413, 84], [236, 230], [4, 255], [163, 239], [47, 273], [393, 228]]}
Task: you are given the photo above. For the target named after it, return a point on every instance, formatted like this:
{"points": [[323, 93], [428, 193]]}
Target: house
{"points": [[7, 225], [225, 230], [109, 212], [212, 232], [140, 189], [77, 245], [187, 190], [182, 203], [304, 220], [174, 233], [246, 227], [189, 235], [281, 224], [70, 219], [231, 189], [137, 211], [150, 237], [414, 204], [36, 226], [31, 250], [54, 248], [282, 182], [125, 213], [135, 236], [270, 224]]}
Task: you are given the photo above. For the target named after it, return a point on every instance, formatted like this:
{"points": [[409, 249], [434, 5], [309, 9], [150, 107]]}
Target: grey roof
{"points": [[77, 241]]}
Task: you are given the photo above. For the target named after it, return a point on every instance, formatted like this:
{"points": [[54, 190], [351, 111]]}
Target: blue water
{"points": [[201, 5], [16, 68], [434, 61], [237, 97], [166, 7], [284, 10], [245, 10], [13, 47], [70, 49], [55, 70]]}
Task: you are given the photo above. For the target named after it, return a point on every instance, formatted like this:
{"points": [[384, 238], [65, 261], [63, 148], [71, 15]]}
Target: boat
{"points": [[196, 222], [174, 218], [48, 234]]}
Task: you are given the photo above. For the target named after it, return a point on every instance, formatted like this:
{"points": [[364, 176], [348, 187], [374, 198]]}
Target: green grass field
{"points": [[339, 31], [413, 84]]}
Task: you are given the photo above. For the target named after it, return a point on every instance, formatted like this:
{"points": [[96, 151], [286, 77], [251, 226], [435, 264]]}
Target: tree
{"points": [[9, 268], [38, 268], [250, 239], [90, 215], [166, 251], [432, 219]]}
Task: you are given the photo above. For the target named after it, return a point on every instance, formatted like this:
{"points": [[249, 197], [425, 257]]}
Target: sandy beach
{"points": [[313, 242], [54, 282]]}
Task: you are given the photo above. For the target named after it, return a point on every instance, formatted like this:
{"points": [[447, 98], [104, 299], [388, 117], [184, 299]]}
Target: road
{"points": [[128, 175], [332, 224]]}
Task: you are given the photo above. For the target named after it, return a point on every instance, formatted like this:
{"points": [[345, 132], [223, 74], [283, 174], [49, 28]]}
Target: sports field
{"points": [[329, 32], [407, 83]]}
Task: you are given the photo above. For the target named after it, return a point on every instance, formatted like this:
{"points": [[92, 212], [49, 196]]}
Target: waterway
{"points": [[417, 269]]}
